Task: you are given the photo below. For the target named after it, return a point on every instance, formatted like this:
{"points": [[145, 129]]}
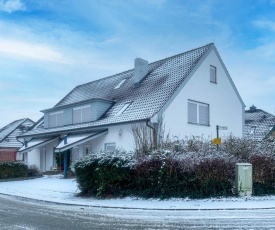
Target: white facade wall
{"points": [[34, 157], [121, 135], [225, 108], [50, 161]]}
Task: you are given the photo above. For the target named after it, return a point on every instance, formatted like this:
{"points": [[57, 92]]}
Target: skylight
{"points": [[125, 106], [120, 83]]}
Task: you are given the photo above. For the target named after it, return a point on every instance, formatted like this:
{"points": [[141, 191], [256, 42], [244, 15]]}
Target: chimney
{"points": [[140, 71], [253, 108]]}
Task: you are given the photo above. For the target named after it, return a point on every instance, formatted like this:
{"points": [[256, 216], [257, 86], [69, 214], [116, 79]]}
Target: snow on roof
{"points": [[163, 78], [258, 123], [9, 132]]}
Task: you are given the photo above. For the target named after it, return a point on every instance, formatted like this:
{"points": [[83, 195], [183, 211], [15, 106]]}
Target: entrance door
{"points": [[43, 159]]}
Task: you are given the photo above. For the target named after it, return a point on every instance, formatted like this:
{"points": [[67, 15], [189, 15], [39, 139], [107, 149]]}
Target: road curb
{"points": [[136, 208]]}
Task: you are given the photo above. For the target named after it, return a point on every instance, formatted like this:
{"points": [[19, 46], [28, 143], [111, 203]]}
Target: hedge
{"points": [[13, 169], [164, 174]]}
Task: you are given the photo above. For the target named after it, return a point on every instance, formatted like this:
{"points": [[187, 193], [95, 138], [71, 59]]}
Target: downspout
{"points": [[154, 133]]}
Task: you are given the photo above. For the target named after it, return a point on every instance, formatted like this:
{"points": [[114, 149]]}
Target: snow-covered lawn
{"points": [[57, 189]]}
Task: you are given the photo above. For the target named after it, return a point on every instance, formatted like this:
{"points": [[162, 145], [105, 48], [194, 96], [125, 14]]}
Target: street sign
{"points": [[223, 128], [217, 141]]}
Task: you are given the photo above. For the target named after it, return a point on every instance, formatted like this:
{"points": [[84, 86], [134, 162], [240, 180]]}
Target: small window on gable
{"points": [[56, 119], [110, 147], [213, 74], [125, 106], [120, 83], [81, 114]]}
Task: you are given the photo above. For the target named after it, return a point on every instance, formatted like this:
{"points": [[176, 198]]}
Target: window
{"points": [[56, 119], [110, 147], [213, 74], [81, 114], [125, 106], [198, 113], [120, 83]]}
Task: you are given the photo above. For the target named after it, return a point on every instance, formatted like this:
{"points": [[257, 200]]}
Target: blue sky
{"points": [[47, 47]]}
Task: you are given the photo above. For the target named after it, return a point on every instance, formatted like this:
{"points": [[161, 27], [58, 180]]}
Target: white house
{"points": [[192, 91]]}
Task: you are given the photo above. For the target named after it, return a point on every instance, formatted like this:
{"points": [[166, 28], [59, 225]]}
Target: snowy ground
{"points": [[59, 190]]}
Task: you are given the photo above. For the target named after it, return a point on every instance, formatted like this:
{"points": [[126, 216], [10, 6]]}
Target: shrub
{"points": [[13, 169], [33, 171], [193, 169], [105, 173], [263, 166]]}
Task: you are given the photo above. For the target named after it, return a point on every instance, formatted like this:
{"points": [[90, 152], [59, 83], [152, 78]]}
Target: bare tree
{"points": [[148, 136]]}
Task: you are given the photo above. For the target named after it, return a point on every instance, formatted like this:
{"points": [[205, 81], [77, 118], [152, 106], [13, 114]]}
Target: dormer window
{"points": [[82, 114], [56, 119], [213, 74], [125, 106], [120, 83]]}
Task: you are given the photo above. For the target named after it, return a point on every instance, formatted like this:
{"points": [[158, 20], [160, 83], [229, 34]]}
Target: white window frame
{"points": [[213, 74], [120, 83], [56, 120], [81, 113], [198, 119], [108, 145], [125, 106]]}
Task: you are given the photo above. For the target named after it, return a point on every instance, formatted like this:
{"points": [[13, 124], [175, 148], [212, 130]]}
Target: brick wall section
{"points": [[7, 155]]}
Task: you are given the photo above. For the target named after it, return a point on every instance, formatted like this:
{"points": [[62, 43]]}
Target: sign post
{"points": [[217, 141]]}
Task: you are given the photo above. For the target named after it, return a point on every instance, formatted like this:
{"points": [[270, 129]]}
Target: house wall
{"points": [[120, 134], [7, 155], [34, 157], [225, 108]]}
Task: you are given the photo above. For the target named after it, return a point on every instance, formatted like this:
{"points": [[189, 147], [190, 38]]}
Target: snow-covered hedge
{"points": [[193, 169], [13, 169], [105, 173]]}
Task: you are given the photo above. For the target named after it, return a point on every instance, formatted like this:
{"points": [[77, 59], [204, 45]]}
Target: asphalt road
{"points": [[18, 213]]}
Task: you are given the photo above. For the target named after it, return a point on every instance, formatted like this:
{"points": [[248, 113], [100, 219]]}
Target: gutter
{"points": [[155, 142]]}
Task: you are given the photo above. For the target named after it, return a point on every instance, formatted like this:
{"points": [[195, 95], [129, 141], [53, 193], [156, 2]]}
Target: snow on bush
{"points": [[181, 168], [13, 169]]}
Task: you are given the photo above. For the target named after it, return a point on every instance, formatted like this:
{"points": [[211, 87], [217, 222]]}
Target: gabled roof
{"points": [[9, 132], [258, 123], [164, 78]]}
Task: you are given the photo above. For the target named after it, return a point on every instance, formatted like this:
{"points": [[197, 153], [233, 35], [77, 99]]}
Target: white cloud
{"points": [[266, 51], [11, 6], [30, 50], [265, 24]]}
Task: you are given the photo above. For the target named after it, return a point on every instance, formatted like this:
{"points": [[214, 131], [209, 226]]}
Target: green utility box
{"points": [[243, 179]]}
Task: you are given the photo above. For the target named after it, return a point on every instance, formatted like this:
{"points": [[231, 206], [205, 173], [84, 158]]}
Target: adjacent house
{"points": [[8, 142], [259, 124], [190, 93]]}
